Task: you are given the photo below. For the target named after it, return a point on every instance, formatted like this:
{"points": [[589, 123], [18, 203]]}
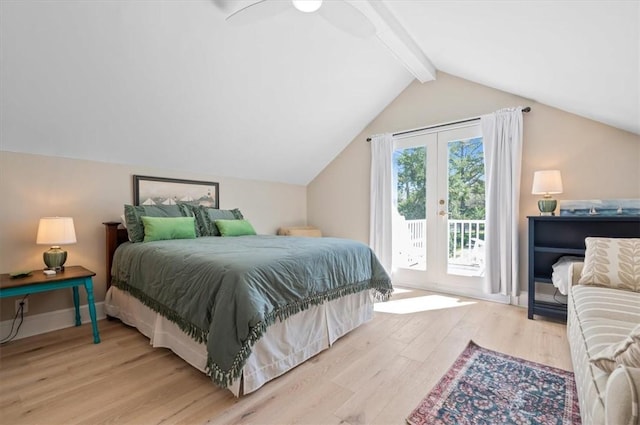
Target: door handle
{"points": [[442, 213]]}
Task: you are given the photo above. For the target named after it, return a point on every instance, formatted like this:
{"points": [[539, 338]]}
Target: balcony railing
{"points": [[466, 241]]}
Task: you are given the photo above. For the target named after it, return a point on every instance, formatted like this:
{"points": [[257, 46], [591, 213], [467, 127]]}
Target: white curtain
{"points": [[502, 138], [381, 210]]}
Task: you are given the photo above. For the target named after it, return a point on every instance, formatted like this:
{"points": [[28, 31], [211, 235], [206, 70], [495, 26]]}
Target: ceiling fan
{"points": [[339, 13], [361, 18]]}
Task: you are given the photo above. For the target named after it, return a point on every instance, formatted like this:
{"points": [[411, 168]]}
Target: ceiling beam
{"points": [[395, 37]]}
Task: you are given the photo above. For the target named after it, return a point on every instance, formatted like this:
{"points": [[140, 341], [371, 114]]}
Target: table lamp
{"points": [[55, 231], [547, 183]]}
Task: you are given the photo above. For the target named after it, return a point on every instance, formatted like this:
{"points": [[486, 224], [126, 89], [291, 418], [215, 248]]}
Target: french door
{"points": [[439, 223]]}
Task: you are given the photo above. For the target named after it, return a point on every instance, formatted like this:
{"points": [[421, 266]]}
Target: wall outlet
{"points": [[25, 308]]}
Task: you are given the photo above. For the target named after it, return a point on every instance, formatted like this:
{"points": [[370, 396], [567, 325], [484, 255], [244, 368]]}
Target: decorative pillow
{"points": [[186, 209], [625, 352], [189, 210], [201, 222], [206, 217], [622, 396], [235, 227], [133, 217], [164, 228], [612, 262]]}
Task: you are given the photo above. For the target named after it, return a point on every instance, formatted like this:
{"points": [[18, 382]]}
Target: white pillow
{"points": [[612, 262]]}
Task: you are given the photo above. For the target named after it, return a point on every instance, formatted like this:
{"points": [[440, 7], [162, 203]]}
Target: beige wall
{"points": [[34, 186], [597, 161]]}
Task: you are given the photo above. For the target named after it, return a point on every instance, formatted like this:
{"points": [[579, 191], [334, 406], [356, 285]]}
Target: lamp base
{"points": [[547, 206], [55, 258]]}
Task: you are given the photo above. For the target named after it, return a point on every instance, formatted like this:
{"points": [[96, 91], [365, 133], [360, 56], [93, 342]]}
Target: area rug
{"points": [[487, 387]]}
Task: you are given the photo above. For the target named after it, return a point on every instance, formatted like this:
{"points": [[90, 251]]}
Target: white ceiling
{"points": [[579, 56], [171, 84]]}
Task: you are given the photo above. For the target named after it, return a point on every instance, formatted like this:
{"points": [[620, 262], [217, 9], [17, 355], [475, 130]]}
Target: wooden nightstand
{"points": [[72, 276]]}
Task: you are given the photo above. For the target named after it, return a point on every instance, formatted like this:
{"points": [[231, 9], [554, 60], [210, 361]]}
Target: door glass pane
{"points": [[466, 219], [409, 224]]}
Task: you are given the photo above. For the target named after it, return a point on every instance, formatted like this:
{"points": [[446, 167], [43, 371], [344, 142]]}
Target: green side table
{"points": [[70, 277]]}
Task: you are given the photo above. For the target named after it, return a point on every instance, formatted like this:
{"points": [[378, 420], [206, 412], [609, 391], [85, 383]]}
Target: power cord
{"points": [[20, 312], [556, 299]]}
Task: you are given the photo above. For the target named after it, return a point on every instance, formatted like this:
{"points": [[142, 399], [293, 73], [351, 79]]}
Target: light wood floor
{"points": [[375, 375]]}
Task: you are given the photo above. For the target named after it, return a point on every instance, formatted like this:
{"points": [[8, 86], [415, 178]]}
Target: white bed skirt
{"points": [[283, 346]]}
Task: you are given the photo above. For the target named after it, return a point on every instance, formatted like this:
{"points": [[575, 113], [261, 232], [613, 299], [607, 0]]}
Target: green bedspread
{"points": [[227, 291]]}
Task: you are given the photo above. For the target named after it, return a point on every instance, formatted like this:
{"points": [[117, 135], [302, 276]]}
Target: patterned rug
{"points": [[487, 387]]}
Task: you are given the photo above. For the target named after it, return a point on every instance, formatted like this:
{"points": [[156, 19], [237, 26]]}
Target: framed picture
{"points": [[162, 191], [600, 207]]}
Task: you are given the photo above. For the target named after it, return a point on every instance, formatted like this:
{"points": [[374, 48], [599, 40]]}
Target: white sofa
{"points": [[597, 318]]}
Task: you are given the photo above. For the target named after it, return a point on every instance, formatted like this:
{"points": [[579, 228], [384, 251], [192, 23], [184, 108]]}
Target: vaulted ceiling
{"points": [[172, 84]]}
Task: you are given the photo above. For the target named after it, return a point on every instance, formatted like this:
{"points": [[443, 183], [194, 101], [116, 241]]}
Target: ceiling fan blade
{"points": [[257, 11], [347, 18]]}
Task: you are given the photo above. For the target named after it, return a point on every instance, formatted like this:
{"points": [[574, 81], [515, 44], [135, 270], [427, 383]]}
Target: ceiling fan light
{"points": [[307, 6]]}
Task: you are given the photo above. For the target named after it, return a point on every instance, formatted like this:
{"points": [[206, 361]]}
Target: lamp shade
{"points": [[547, 182], [56, 231]]}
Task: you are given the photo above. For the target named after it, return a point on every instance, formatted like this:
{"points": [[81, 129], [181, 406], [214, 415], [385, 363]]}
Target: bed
{"points": [[243, 310]]}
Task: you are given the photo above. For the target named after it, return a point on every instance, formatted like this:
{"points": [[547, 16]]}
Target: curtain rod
{"points": [[527, 109]]}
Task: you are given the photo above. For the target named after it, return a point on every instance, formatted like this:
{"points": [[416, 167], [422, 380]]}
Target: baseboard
{"points": [[522, 299], [46, 322], [451, 290]]}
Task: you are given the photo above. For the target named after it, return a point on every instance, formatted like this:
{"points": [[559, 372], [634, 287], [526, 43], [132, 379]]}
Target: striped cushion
{"points": [[597, 318], [604, 303], [625, 352]]}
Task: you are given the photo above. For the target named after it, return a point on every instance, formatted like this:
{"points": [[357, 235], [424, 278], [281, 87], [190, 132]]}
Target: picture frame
{"points": [[148, 190], [600, 207]]}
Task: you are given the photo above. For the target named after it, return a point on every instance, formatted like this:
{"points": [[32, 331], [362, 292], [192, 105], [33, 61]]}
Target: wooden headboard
{"points": [[115, 236]]}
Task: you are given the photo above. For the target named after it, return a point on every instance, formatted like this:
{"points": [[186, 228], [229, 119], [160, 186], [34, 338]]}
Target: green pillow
{"points": [[133, 215], [163, 228], [206, 217], [235, 227]]}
